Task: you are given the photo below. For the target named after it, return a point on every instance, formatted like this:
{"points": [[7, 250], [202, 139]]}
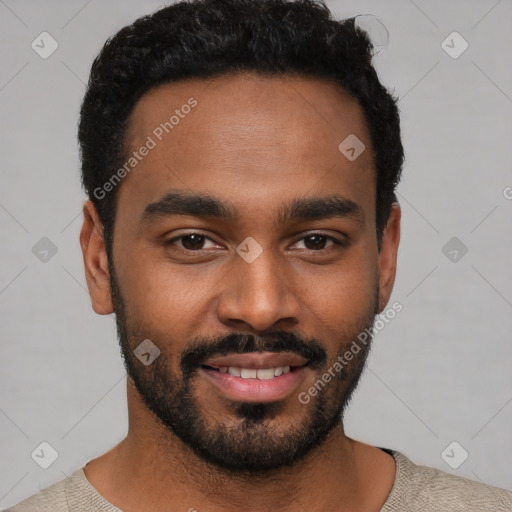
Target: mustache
{"points": [[201, 350]]}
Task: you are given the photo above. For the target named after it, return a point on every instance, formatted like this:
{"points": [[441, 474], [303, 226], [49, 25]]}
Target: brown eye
{"points": [[317, 241], [190, 242], [193, 242]]}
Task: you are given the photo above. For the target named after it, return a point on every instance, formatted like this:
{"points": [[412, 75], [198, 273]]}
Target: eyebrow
{"points": [[300, 209]]}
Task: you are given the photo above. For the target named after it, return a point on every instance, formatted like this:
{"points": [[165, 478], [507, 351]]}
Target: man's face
{"points": [[264, 288]]}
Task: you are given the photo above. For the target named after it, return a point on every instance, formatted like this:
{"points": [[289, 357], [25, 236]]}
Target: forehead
{"points": [[248, 103], [248, 137]]}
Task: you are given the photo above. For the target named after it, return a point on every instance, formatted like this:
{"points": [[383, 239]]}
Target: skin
{"points": [[257, 142]]}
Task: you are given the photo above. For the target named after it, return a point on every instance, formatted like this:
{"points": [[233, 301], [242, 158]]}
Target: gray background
{"points": [[439, 372]]}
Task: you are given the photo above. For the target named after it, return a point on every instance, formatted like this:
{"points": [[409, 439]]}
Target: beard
{"points": [[254, 440]]}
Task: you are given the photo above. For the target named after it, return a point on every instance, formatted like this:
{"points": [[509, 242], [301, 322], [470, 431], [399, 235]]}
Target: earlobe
{"points": [[95, 261], [388, 256]]}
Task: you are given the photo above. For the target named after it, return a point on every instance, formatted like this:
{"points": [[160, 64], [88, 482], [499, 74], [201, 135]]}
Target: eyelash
{"points": [[336, 241]]}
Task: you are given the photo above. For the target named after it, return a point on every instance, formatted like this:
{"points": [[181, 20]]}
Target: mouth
{"points": [[254, 373], [256, 377]]}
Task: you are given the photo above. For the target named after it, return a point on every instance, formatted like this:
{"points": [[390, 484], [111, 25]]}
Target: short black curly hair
{"points": [[206, 38]]}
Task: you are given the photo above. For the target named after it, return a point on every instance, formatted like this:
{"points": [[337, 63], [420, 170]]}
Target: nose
{"points": [[258, 296]]}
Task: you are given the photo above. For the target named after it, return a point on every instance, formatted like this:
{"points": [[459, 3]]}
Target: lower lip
{"points": [[256, 390]]}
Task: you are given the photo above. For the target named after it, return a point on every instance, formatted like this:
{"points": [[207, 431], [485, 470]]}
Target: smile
{"points": [[256, 377], [253, 373]]}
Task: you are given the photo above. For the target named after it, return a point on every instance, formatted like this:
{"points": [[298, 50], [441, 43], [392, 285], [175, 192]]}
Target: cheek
{"points": [[167, 296], [342, 306], [344, 291]]}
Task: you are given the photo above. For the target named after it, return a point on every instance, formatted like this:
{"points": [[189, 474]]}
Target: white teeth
{"points": [[253, 373], [247, 373], [265, 373]]}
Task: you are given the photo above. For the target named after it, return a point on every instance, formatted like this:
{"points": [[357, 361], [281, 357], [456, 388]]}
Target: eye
{"points": [[316, 242], [191, 241], [194, 242]]}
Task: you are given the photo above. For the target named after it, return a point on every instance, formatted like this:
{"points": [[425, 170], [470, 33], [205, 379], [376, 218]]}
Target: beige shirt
{"points": [[415, 489]]}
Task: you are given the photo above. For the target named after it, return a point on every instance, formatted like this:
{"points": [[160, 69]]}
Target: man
{"points": [[241, 159]]}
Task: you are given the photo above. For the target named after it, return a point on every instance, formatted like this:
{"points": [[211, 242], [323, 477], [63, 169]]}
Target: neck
{"points": [[151, 469]]}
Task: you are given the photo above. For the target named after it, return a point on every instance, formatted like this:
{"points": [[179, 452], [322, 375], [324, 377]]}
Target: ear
{"points": [[95, 261], [388, 255]]}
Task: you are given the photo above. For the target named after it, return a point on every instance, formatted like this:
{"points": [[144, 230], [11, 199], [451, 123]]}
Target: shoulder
{"points": [[47, 499], [69, 494], [425, 489]]}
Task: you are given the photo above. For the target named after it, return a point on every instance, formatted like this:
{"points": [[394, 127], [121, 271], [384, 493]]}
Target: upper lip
{"points": [[257, 360]]}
